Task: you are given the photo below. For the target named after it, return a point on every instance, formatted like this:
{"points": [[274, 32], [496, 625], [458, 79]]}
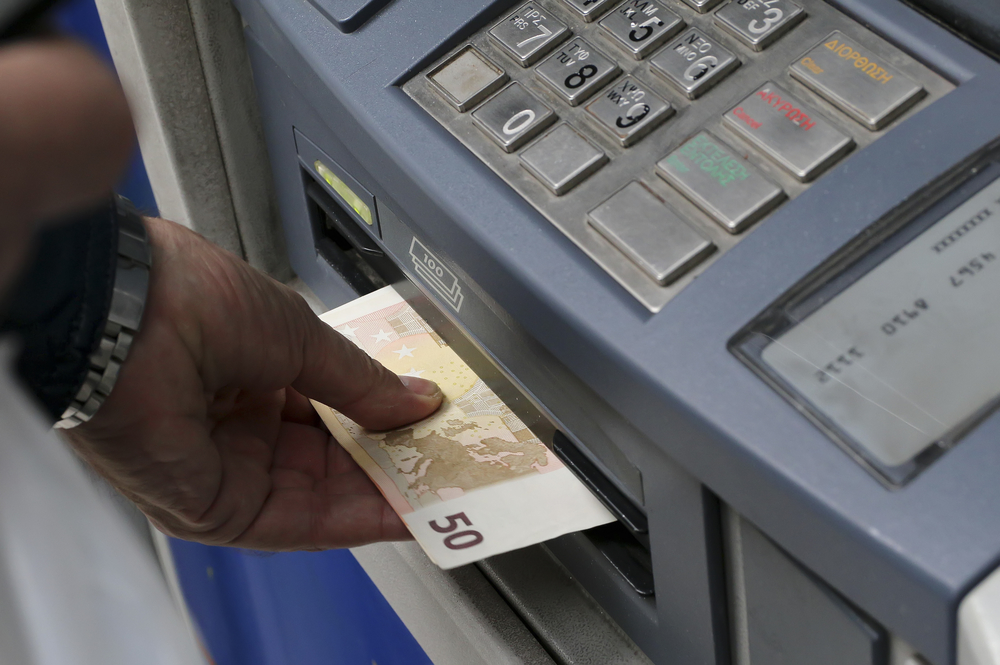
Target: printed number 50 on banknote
{"points": [[472, 480]]}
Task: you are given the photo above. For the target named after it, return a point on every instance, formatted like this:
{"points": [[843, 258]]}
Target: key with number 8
{"points": [[576, 71]]}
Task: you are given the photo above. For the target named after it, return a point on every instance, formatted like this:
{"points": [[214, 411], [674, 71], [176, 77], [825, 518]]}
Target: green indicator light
{"points": [[345, 192]]}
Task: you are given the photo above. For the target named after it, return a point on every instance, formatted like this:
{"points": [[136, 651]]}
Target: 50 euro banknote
{"points": [[471, 480]]}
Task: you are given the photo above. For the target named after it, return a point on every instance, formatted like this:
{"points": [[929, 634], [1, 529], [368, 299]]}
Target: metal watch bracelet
{"points": [[127, 303]]}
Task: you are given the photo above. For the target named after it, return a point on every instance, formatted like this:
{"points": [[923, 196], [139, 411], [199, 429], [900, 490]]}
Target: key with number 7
{"points": [[529, 33]]}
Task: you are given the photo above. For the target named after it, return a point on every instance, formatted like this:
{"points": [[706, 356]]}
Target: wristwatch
{"points": [[127, 304]]}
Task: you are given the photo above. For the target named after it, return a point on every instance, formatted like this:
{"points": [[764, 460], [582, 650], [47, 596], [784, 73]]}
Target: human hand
{"points": [[208, 429]]}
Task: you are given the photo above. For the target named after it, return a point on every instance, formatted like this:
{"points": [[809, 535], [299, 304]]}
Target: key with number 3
{"points": [[757, 23]]}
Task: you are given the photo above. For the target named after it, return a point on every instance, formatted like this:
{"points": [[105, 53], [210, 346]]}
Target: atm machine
{"points": [[737, 261]]}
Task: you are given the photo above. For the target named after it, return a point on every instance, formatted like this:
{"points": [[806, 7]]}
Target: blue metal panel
{"points": [[297, 608]]}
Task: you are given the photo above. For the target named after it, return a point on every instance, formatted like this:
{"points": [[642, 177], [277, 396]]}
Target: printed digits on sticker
{"points": [[461, 540]]}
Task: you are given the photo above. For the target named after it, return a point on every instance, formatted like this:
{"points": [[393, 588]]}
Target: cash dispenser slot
{"points": [[351, 252]]}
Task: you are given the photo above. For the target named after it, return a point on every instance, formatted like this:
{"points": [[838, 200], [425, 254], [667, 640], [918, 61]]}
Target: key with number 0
{"points": [[513, 117]]}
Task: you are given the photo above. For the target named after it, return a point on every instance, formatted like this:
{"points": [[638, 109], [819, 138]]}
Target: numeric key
{"points": [[629, 110], [576, 71], [757, 23], [529, 33], [694, 62], [641, 26], [513, 117]]}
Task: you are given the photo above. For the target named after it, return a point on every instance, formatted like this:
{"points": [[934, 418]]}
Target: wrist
{"points": [[131, 287]]}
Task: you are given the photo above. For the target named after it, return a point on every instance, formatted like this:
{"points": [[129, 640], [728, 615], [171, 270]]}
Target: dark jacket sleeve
{"points": [[58, 307]]}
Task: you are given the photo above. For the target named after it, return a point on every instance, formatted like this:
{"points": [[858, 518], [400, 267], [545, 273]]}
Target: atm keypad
{"points": [[576, 71], [529, 33], [758, 23], [617, 119], [641, 26]]}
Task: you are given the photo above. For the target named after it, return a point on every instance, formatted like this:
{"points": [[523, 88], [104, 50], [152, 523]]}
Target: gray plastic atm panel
{"points": [[687, 537], [793, 618], [905, 557]]}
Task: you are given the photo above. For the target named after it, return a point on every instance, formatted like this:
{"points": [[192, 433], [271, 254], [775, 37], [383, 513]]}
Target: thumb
{"points": [[347, 379]]}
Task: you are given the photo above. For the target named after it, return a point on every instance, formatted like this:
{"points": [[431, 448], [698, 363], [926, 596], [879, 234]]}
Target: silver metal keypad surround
{"points": [[758, 23], [629, 110], [641, 26], [649, 233], [636, 162], [513, 117], [562, 159], [576, 71], [694, 62], [529, 33]]}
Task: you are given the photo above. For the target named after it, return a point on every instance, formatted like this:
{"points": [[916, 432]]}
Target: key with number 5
{"points": [[757, 23], [641, 26]]}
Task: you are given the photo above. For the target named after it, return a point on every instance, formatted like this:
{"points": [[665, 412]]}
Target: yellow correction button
{"points": [[857, 80]]}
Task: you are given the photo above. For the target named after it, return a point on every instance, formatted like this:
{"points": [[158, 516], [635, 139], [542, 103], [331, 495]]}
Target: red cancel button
{"points": [[788, 131]]}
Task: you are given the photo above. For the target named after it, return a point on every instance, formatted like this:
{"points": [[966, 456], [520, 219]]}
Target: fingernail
{"points": [[420, 386]]}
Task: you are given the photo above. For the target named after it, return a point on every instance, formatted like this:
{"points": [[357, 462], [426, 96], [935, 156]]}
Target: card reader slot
{"points": [[351, 252], [613, 498]]}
